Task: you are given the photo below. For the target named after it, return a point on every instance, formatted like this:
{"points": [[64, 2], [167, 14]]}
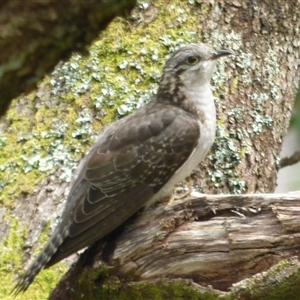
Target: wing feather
{"points": [[125, 170]]}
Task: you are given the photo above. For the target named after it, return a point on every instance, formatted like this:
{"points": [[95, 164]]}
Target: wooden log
{"points": [[212, 239]]}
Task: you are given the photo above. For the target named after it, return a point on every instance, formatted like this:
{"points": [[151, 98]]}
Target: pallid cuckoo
{"points": [[138, 159]]}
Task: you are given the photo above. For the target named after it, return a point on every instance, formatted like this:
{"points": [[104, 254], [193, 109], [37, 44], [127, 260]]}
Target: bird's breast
{"points": [[200, 102], [205, 141], [203, 104]]}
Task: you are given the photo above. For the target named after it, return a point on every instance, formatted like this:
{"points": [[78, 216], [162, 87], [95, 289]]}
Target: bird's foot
{"points": [[180, 192]]}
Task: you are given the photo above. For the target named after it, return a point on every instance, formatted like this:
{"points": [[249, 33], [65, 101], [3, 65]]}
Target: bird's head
{"points": [[193, 63]]}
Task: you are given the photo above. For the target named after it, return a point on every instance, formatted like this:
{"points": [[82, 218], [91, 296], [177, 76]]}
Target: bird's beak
{"points": [[219, 53]]}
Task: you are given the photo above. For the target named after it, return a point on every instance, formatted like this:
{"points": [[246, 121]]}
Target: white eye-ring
{"points": [[192, 60]]}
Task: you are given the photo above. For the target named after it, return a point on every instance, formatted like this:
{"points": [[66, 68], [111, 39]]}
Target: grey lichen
{"points": [[233, 144]]}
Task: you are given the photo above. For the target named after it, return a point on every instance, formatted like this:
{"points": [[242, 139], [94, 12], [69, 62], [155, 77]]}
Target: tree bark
{"points": [[198, 247], [36, 35]]}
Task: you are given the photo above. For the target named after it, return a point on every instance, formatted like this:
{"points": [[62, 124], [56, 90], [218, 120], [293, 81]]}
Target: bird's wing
{"points": [[127, 170], [126, 167]]}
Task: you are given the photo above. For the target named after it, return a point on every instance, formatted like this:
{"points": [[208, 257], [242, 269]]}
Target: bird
{"points": [[138, 159]]}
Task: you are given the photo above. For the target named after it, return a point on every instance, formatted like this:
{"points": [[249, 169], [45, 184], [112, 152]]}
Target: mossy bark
{"points": [[36, 35]]}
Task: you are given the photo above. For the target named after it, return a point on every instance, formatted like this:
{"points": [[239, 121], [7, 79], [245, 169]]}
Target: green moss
{"points": [[11, 260], [98, 282], [266, 286], [234, 84], [106, 287]]}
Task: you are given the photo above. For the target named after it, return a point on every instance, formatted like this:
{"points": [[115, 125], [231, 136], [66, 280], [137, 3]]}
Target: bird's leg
{"points": [[180, 192]]}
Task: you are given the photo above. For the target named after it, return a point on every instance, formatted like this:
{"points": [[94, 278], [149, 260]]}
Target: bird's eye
{"points": [[192, 60]]}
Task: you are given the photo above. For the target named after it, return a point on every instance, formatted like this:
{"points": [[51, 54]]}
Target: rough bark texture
{"points": [[210, 240], [36, 35], [255, 91], [214, 239], [255, 109]]}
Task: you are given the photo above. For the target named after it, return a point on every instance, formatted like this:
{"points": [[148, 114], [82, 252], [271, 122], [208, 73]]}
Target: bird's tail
{"points": [[40, 262]]}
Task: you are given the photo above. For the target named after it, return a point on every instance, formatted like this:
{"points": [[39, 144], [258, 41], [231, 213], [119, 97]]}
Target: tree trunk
{"points": [[196, 247], [36, 35]]}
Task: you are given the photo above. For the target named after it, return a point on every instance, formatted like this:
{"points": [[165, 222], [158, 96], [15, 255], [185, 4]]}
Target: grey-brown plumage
{"points": [[138, 159]]}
